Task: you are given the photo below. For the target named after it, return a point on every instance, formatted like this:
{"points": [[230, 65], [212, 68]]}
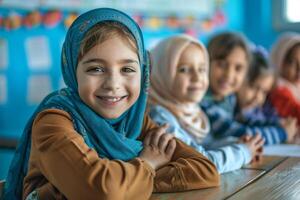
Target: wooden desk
{"points": [[273, 178], [230, 183], [282, 182]]}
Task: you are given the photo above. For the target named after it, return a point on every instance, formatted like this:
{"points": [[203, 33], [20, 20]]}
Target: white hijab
{"points": [[164, 60]]}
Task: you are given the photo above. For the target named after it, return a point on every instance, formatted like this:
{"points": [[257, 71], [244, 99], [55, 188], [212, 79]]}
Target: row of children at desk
{"points": [[131, 123]]}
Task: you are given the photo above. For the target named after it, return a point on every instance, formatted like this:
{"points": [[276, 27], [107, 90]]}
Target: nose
{"points": [[195, 75], [260, 97], [229, 72], [112, 81]]}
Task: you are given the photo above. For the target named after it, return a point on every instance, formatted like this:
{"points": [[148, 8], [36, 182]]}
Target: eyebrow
{"points": [[99, 60]]}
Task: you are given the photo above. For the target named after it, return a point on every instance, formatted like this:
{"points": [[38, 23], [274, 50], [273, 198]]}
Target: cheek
{"points": [[261, 98], [239, 79], [215, 73], [180, 83], [206, 82], [249, 94], [134, 85]]}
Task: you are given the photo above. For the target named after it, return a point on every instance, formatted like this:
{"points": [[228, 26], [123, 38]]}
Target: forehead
{"points": [[265, 81], [237, 53], [296, 52], [114, 48], [192, 52]]}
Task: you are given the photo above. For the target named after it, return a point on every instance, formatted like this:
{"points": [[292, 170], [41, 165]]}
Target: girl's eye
{"points": [[183, 69], [128, 69], [202, 70], [96, 69], [222, 64], [238, 68]]}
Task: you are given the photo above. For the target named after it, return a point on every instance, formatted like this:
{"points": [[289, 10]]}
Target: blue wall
{"points": [[18, 71]]}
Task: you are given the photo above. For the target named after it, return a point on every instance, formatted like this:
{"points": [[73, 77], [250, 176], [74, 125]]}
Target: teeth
{"points": [[112, 99]]}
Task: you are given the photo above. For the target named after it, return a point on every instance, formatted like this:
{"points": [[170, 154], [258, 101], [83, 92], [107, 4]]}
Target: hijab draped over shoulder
{"points": [[112, 139]]}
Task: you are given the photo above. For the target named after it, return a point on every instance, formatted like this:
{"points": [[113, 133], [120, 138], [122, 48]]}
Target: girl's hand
{"points": [[255, 145], [159, 147], [290, 126]]}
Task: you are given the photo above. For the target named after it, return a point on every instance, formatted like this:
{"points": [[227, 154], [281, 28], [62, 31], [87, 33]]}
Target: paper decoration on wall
{"points": [[13, 21], [1, 20], [173, 22], [32, 19], [52, 18], [38, 53], [153, 22], [194, 17], [70, 19], [3, 89], [3, 53], [39, 86]]}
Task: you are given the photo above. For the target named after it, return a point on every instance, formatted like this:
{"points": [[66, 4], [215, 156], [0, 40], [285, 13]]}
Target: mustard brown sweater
{"points": [[62, 166]]}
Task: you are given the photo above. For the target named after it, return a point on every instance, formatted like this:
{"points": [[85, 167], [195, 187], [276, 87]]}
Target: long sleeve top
{"points": [[62, 166], [223, 122], [285, 103], [227, 158]]}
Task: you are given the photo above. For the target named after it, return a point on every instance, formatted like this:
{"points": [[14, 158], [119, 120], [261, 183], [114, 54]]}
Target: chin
{"points": [[107, 115], [110, 116]]}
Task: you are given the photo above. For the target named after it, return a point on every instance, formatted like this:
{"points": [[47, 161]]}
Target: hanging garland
{"points": [[53, 18]]}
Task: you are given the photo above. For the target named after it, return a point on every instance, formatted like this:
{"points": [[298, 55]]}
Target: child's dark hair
{"points": [[288, 56], [259, 65], [220, 46], [103, 31]]}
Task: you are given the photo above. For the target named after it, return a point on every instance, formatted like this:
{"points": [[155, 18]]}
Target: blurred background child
{"points": [[252, 107], [285, 57], [229, 64], [179, 80]]}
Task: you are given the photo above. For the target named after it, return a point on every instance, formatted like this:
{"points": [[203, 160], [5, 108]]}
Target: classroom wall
{"points": [[19, 73], [260, 31], [241, 15]]}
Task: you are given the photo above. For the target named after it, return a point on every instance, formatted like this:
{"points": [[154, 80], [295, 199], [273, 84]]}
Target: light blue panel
{"points": [[16, 112], [6, 156], [258, 22]]}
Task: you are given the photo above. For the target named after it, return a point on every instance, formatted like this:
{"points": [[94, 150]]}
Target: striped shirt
{"points": [[223, 122]]}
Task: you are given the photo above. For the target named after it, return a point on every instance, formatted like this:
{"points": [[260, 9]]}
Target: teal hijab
{"points": [[112, 139]]}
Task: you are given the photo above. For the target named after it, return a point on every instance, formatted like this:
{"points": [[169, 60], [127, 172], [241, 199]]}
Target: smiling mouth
{"points": [[193, 89], [109, 100]]}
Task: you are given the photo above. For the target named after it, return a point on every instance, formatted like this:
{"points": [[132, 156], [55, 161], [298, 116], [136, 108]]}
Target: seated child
{"points": [[84, 141], [229, 63], [285, 57], [179, 79], [251, 106]]}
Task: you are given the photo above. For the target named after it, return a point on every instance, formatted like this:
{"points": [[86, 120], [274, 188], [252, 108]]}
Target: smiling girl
{"points": [[92, 140]]}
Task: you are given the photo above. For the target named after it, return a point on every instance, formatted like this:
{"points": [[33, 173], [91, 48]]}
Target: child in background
{"points": [[83, 142], [251, 105], [229, 63], [179, 79], [285, 57]]}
